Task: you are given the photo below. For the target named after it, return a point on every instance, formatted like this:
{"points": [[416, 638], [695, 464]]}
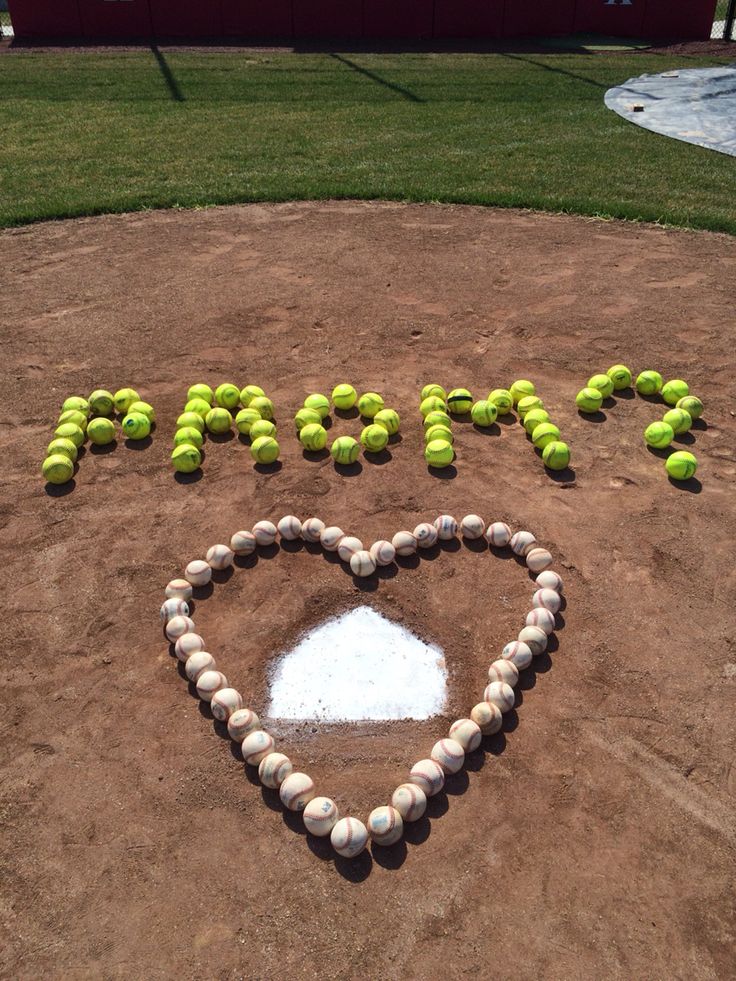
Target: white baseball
{"points": [[209, 682], [501, 695], [331, 537], [382, 552], [198, 572], [243, 543], [171, 608], [404, 543], [428, 775], [425, 535], [549, 599], [242, 722], [188, 644], [472, 526], [504, 670], [179, 589], [178, 626], [385, 825], [274, 769], [498, 534], [224, 702], [312, 529], [362, 564], [487, 717], [550, 580], [265, 532], [467, 733], [348, 546], [220, 556], [519, 653], [349, 837], [446, 527], [535, 638], [410, 801], [538, 559], [290, 528], [541, 617], [522, 542], [449, 754], [197, 664], [320, 816], [296, 791], [256, 745]]}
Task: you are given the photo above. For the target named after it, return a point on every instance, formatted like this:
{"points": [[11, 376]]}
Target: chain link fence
{"points": [[5, 28], [724, 27]]}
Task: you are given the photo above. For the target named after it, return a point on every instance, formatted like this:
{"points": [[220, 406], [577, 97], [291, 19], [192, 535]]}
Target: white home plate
{"points": [[359, 666]]}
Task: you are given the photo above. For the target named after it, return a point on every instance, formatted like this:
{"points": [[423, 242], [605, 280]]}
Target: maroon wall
{"points": [[45, 18], [115, 19], [419, 19], [257, 19]]}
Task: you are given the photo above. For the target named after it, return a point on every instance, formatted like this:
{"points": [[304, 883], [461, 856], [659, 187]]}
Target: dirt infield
{"points": [[594, 837]]}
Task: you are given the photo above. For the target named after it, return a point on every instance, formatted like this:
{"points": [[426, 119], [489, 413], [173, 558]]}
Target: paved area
{"points": [[697, 105]]}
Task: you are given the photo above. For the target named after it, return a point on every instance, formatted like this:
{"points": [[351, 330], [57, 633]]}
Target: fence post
{"points": [[730, 18]]}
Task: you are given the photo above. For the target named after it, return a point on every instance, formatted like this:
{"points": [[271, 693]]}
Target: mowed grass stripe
{"points": [[91, 133]]}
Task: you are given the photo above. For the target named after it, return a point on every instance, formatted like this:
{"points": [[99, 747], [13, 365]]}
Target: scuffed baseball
{"points": [[274, 769], [362, 564], [428, 775], [198, 572], [290, 528], [171, 608], [504, 670], [349, 837], [404, 543], [312, 529], [538, 559], [385, 825], [209, 682], [501, 695], [535, 638], [550, 580], [446, 527], [188, 644], [179, 589], [425, 535], [331, 537], [220, 557], [320, 816], [177, 626], [542, 618], [522, 542], [449, 754], [296, 791], [487, 717], [549, 599], [498, 534], [197, 664], [519, 653], [348, 546], [256, 746], [472, 526], [243, 543], [382, 552], [410, 801], [241, 723], [224, 702], [467, 733], [265, 533]]}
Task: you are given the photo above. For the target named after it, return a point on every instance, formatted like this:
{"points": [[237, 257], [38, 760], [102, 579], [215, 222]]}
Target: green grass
{"points": [[90, 133]]}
